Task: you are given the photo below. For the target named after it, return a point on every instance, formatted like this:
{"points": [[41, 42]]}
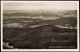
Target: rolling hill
{"points": [[41, 37]]}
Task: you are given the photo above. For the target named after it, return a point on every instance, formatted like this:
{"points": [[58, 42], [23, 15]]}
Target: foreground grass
{"points": [[44, 37]]}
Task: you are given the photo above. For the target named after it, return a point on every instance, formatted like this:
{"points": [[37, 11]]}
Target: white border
{"points": [[40, 49]]}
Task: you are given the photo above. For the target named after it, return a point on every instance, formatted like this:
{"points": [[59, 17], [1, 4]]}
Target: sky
{"points": [[39, 5]]}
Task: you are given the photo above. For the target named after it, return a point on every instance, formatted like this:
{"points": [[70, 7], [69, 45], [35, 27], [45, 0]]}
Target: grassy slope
{"points": [[40, 37]]}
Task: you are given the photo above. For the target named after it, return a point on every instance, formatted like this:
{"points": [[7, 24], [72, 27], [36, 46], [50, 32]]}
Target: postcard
{"points": [[40, 25]]}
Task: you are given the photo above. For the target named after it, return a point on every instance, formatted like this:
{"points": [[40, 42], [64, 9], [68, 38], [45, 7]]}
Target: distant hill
{"points": [[44, 14], [62, 21], [40, 37], [24, 22], [33, 18]]}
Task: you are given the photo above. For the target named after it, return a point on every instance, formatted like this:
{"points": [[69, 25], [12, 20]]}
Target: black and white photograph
{"points": [[40, 25]]}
